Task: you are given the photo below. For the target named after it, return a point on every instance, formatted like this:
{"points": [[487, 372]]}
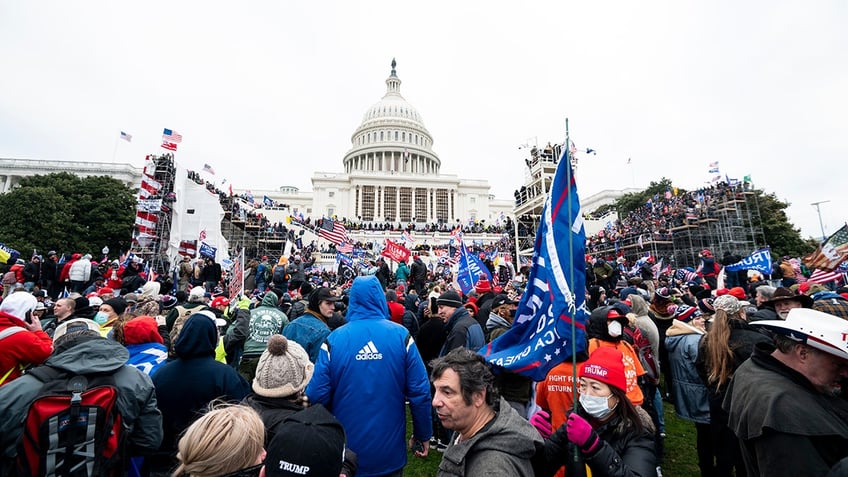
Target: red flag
{"points": [[395, 251]]}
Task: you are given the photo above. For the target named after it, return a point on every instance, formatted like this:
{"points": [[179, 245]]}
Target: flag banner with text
{"points": [[395, 251], [759, 261], [554, 302], [470, 269]]}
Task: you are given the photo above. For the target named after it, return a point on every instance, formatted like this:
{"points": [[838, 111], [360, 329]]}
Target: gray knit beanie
{"points": [[283, 370]]}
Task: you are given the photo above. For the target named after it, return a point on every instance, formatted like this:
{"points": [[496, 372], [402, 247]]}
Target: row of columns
{"points": [[380, 203], [8, 181], [393, 161]]}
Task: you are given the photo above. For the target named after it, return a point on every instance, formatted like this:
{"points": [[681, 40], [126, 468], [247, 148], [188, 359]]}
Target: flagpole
{"points": [[568, 172], [115, 150]]}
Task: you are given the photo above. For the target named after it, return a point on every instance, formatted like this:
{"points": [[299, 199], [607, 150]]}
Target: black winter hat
{"points": [[450, 298]]}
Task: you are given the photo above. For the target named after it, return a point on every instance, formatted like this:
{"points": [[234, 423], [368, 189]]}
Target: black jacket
{"points": [[785, 425], [626, 453]]}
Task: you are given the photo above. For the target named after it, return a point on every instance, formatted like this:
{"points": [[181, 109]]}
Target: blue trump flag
{"points": [[469, 271], [541, 336], [759, 261]]}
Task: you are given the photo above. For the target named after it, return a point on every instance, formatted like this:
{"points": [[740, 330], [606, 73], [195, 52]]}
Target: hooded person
{"points": [[485, 295], [194, 302], [366, 372], [312, 327], [148, 301], [265, 320], [606, 330], [282, 374], [186, 385], [23, 342], [80, 350]]}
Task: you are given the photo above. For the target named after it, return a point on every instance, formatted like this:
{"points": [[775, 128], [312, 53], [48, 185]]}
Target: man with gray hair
{"points": [[765, 311], [782, 402], [490, 438]]}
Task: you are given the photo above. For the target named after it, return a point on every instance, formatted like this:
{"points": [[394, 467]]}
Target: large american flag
{"points": [[172, 136], [332, 230]]}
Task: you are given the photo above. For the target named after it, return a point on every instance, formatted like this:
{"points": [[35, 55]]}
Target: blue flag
{"points": [[267, 201], [208, 251], [470, 268], [541, 336], [759, 261], [342, 258]]}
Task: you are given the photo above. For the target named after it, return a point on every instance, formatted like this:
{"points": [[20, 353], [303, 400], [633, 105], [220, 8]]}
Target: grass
{"points": [[681, 459]]}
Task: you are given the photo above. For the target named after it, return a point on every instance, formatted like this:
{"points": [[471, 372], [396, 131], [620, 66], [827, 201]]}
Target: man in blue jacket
{"points": [[365, 371]]}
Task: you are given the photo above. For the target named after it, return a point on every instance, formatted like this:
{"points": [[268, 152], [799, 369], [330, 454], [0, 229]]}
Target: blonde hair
{"points": [[225, 439]]}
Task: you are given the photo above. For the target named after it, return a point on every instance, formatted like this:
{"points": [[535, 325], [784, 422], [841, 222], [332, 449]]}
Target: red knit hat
{"points": [[140, 330], [483, 285], [738, 292], [606, 365]]}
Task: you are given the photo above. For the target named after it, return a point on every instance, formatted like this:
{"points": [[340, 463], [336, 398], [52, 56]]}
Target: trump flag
{"points": [[541, 336]]}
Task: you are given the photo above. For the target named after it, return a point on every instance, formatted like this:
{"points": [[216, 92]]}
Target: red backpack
{"points": [[73, 427]]}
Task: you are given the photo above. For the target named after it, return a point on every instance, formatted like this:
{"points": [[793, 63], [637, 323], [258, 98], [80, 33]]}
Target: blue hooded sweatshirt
{"points": [[365, 371]]}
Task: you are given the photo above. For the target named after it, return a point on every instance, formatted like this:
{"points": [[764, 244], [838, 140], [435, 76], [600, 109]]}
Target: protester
{"points": [[80, 350], [785, 299], [782, 402], [266, 320], [365, 372], [729, 343], [310, 329], [691, 397], [490, 437], [611, 435], [188, 384], [22, 341], [227, 441], [462, 329], [310, 443]]}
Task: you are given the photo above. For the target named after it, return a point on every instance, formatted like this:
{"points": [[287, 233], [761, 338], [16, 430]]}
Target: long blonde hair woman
{"points": [[226, 441]]}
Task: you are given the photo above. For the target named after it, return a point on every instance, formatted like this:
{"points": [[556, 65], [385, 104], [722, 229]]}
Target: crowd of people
{"points": [[662, 213], [305, 374]]}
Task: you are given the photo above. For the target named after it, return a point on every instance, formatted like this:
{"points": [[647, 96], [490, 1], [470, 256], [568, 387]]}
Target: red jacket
{"points": [[23, 348], [67, 268]]}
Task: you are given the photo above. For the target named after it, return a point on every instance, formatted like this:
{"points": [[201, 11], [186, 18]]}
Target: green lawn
{"points": [[681, 459]]}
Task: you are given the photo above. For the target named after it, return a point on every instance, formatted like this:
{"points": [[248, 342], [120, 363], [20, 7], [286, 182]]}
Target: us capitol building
{"points": [[392, 174]]}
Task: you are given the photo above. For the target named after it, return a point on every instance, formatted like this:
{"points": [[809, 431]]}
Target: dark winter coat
{"points": [[620, 453], [185, 386], [463, 331], [784, 424]]}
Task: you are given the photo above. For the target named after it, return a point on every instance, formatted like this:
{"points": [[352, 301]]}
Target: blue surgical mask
{"points": [[101, 317], [596, 406]]}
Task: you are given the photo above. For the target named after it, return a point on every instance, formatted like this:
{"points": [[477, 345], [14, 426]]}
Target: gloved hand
{"points": [[244, 302], [580, 432], [542, 422]]}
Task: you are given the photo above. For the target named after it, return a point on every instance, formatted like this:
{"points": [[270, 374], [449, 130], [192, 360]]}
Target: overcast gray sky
{"points": [[267, 92]]}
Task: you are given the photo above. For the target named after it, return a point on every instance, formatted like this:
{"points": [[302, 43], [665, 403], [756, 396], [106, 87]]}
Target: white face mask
{"points": [[614, 328], [596, 406]]}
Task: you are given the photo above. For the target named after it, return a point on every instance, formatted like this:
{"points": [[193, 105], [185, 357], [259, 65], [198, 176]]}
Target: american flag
{"points": [[332, 230], [126, 137], [345, 247], [169, 146], [172, 136], [822, 276], [407, 238], [208, 168]]}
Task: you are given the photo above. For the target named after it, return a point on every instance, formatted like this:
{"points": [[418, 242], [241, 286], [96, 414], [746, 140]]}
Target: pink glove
{"points": [[542, 422], [580, 432]]}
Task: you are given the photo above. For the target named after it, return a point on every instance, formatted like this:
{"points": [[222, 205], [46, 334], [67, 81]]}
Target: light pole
{"points": [[818, 210]]}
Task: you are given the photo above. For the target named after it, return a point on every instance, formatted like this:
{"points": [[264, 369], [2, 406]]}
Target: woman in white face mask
{"points": [[612, 436]]}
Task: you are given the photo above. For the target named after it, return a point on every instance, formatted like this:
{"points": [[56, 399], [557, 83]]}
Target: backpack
{"points": [[73, 427], [643, 350], [279, 274], [184, 313]]}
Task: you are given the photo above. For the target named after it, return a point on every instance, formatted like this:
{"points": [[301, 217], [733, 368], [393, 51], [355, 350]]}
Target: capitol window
{"points": [[331, 194], [403, 136], [396, 135], [381, 136]]}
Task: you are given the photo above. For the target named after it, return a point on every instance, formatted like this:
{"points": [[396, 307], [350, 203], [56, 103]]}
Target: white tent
{"points": [[196, 210]]}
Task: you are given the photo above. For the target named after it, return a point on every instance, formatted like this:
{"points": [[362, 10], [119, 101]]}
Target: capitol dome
{"points": [[392, 138]]}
